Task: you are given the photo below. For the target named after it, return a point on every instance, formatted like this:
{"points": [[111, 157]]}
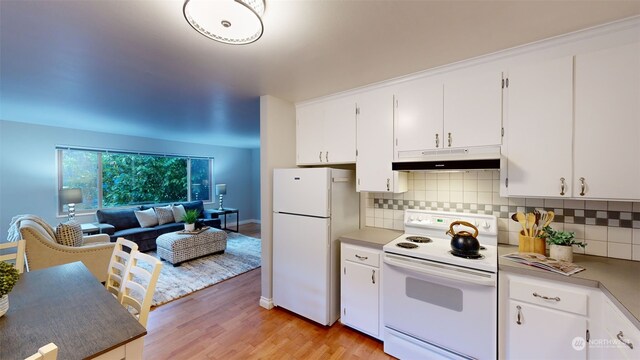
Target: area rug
{"points": [[242, 254]]}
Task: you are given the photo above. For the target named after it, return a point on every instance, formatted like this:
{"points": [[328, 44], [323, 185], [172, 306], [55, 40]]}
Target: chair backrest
{"points": [[47, 352], [118, 265], [16, 257], [139, 284]]}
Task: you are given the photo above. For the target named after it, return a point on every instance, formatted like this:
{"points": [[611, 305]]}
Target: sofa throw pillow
{"points": [[147, 218], [164, 214], [178, 212], [69, 234]]}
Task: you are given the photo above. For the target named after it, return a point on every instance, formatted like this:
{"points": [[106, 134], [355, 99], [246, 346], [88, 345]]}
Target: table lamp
{"points": [[221, 189], [71, 197]]}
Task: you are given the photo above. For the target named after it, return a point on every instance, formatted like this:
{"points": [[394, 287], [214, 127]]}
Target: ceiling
{"points": [[136, 67]]}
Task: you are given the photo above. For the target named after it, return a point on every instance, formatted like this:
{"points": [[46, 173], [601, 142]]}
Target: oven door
{"points": [[447, 307]]}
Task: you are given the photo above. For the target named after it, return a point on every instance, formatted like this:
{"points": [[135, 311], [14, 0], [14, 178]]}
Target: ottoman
{"points": [[176, 248]]}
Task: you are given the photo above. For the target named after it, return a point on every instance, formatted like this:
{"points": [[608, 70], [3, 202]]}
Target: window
{"points": [[114, 179]]}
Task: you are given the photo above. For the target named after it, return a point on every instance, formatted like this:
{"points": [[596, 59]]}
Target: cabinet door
{"points": [[607, 123], [418, 116], [340, 131], [360, 297], [539, 128], [473, 109], [544, 333], [375, 141], [309, 130]]}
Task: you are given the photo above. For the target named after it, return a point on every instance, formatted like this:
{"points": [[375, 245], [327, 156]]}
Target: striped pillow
{"points": [[69, 234]]}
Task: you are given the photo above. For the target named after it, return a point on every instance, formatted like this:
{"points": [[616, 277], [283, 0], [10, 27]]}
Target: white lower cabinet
{"points": [[541, 319], [620, 339], [360, 289]]}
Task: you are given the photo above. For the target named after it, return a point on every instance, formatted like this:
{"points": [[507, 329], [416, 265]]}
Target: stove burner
{"points": [[467, 256], [419, 239], [407, 245]]}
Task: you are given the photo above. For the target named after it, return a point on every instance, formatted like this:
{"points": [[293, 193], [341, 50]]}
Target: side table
{"points": [[225, 212], [89, 229]]}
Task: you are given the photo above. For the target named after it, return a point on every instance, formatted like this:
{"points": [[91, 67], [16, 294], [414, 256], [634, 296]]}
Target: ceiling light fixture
{"points": [[228, 21]]}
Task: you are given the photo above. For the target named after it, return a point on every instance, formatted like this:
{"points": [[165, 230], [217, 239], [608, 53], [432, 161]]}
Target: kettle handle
{"points": [[462, 233]]}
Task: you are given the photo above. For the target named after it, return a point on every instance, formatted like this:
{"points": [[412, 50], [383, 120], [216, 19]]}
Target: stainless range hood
{"points": [[472, 158]]}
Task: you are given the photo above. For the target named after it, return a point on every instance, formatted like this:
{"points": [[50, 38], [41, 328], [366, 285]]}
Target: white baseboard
{"points": [[266, 303], [242, 222]]}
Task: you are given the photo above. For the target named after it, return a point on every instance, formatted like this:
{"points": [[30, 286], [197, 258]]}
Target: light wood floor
{"points": [[224, 321]]}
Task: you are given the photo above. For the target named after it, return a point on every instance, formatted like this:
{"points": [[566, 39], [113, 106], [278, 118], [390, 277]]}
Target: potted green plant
{"points": [[8, 278], [189, 218], [561, 243]]}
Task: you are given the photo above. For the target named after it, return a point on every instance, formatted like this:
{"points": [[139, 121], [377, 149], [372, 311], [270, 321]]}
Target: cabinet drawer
{"points": [[548, 295], [624, 336], [361, 255]]}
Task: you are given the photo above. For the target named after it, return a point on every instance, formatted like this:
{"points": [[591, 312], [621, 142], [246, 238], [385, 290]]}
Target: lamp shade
{"points": [[71, 196], [221, 189], [227, 21]]}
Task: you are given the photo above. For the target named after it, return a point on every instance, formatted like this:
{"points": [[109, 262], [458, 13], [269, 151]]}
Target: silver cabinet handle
{"points": [[582, 186], [519, 315], [326, 156], [388, 184], [373, 276], [620, 337], [562, 186], [449, 139], [361, 257], [546, 297], [437, 140], [320, 156]]}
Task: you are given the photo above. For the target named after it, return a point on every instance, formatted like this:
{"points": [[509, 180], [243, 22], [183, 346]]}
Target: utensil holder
{"points": [[531, 244]]}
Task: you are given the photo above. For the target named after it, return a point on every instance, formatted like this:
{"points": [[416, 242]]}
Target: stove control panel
{"points": [[416, 220]]}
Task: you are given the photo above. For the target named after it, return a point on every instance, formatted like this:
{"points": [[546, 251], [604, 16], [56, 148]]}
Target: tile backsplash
{"points": [[609, 228]]}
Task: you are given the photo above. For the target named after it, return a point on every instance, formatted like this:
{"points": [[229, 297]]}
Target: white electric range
{"points": [[436, 304]]}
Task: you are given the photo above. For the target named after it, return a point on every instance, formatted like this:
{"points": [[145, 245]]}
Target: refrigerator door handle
{"points": [[336, 180]]}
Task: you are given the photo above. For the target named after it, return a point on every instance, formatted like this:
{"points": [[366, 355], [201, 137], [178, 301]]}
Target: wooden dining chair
{"points": [[118, 265], [139, 284], [47, 352], [16, 257]]}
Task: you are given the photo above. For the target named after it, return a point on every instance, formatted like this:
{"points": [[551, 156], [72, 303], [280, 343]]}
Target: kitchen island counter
{"points": [[618, 279], [371, 237]]}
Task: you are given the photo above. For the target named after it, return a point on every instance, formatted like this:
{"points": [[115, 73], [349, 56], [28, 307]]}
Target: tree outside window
{"points": [[109, 179]]}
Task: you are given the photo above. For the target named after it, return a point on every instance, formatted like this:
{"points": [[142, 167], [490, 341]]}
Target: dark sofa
{"points": [[123, 223]]}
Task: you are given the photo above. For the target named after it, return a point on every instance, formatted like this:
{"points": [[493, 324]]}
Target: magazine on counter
{"points": [[545, 263]]}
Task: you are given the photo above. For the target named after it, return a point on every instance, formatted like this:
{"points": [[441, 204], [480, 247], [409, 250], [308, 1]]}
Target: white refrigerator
{"points": [[312, 208]]}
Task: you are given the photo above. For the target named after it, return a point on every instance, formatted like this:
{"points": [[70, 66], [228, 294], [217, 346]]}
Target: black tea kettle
{"points": [[463, 242]]}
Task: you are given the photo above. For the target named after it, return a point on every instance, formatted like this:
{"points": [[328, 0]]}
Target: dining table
{"points": [[68, 306]]}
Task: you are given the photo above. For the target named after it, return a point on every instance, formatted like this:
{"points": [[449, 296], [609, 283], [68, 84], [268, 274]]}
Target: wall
{"points": [[610, 229], [28, 174], [255, 182], [277, 149]]}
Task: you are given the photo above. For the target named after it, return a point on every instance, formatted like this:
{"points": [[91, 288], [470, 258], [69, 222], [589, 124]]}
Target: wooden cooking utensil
{"points": [[531, 222], [550, 216], [522, 219]]}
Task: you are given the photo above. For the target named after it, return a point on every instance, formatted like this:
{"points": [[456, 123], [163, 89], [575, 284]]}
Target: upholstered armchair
{"points": [[43, 251]]}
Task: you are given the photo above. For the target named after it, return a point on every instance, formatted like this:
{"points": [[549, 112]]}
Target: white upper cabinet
{"points": [[473, 108], [454, 110], [309, 128], [375, 144], [538, 124], [607, 124], [419, 114], [340, 130], [326, 132]]}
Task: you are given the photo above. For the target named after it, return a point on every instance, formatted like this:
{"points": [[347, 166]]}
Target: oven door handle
{"points": [[443, 271]]}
